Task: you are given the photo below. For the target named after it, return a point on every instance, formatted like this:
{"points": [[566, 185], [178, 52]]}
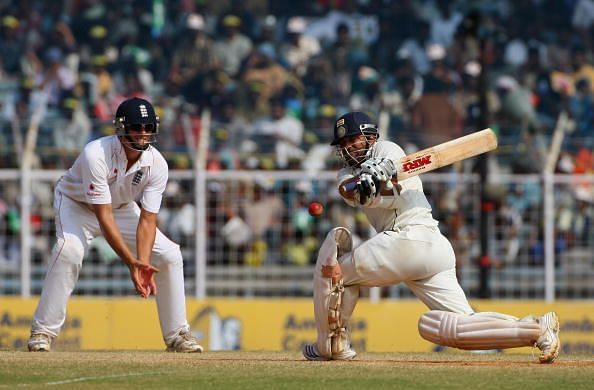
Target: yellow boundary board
{"points": [[265, 324]]}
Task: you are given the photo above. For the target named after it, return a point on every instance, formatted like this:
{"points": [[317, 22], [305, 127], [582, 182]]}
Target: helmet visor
{"points": [[137, 136], [354, 151], [142, 127]]}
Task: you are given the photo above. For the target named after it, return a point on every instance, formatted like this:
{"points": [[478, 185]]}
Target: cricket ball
{"points": [[315, 209]]}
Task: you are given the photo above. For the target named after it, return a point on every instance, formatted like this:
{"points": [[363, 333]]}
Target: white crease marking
{"points": [[84, 378]]}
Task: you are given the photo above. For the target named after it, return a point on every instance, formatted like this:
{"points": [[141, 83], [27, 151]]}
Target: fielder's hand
{"points": [[381, 169], [143, 277]]}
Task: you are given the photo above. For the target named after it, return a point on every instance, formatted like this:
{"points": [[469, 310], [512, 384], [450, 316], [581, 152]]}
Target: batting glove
{"points": [[367, 189], [381, 169]]}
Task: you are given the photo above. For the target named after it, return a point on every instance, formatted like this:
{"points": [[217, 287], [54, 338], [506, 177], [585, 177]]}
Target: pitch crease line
{"points": [[90, 378]]}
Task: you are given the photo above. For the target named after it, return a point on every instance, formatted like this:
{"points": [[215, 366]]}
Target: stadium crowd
{"points": [[274, 75]]}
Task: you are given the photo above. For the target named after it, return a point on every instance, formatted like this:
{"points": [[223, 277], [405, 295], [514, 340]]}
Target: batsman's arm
{"points": [[438, 156]]}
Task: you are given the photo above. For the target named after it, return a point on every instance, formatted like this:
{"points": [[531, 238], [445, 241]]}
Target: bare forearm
{"points": [[113, 236], [145, 239]]}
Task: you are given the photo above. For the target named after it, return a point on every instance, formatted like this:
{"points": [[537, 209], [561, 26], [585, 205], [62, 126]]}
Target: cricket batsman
{"points": [[409, 248]]}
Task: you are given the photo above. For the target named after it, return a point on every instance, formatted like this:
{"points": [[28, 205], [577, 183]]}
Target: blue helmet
{"points": [[134, 115], [353, 124]]}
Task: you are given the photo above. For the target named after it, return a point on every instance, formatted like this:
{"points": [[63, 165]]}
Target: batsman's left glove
{"points": [[381, 169]]}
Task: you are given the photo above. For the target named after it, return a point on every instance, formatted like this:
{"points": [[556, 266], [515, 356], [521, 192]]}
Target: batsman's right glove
{"points": [[382, 169], [367, 188]]}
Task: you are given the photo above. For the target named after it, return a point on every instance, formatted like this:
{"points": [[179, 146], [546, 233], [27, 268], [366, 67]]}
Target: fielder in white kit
{"points": [[97, 196], [409, 248]]}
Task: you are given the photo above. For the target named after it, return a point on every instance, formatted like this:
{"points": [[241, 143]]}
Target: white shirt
{"points": [[99, 176], [361, 27], [298, 56], [410, 207], [289, 135]]}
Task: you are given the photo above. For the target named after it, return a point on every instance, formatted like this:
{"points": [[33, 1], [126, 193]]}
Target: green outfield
{"points": [[279, 370]]}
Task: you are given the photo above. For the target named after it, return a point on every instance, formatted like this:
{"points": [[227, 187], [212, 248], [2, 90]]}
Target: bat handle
{"points": [[348, 187]]}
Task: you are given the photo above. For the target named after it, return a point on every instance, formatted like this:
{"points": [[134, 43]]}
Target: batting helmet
{"points": [[135, 116], [350, 125]]}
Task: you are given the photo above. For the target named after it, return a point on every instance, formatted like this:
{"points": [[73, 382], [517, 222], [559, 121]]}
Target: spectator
{"points": [[228, 132], [267, 36], [444, 23], [366, 89], [194, 55], [414, 48], [435, 115], [299, 48], [581, 108], [263, 210], [262, 70], [582, 69], [58, 78], [233, 47], [101, 90], [11, 44], [344, 56], [286, 132], [248, 22], [72, 130], [517, 118]]}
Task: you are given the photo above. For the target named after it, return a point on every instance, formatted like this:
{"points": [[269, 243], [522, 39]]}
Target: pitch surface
{"points": [[281, 370]]}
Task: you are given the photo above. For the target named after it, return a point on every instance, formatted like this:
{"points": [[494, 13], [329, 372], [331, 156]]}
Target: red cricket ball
{"points": [[315, 209]]}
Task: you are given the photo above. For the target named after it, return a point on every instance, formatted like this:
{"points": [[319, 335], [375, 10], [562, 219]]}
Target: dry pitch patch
{"points": [[151, 369]]}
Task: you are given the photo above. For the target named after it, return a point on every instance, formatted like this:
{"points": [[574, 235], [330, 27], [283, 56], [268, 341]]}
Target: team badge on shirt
{"points": [[92, 192], [137, 177]]}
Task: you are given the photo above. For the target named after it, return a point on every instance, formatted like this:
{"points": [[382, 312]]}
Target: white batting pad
{"points": [[343, 239], [478, 331], [328, 291], [341, 342]]}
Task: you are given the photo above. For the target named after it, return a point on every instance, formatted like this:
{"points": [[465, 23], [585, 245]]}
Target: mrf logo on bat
{"points": [[416, 164]]}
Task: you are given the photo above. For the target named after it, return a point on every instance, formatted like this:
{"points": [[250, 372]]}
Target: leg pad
{"points": [[477, 331], [328, 293]]}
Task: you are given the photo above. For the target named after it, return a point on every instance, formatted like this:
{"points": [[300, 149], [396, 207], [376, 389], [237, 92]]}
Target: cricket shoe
{"points": [[548, 342], [184, 342], [347, 354], [39, 342], [310, 352]]}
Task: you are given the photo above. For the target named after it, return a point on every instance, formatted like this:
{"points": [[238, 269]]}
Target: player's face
{"points": [[353, 150], [140, 136]]}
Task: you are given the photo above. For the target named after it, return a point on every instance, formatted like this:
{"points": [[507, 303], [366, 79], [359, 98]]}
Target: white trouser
{"points": [[417, 255], [76, 226]]}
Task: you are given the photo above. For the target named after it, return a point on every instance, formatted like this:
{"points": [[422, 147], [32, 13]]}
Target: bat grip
{"points": [[348, 187]]}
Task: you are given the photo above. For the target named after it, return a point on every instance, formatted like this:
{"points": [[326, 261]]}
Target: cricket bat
{"points": [[438, 156]]}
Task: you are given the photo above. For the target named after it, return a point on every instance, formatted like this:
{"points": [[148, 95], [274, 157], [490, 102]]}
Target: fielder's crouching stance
{"points": [[408, 248], [97, 196]]}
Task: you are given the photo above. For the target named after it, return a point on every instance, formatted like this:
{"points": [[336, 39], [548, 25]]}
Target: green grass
{"points": [[281, 370]]}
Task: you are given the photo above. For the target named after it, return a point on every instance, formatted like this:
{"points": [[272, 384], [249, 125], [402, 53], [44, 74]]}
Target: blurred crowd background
{"points": [[275, 74]]}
